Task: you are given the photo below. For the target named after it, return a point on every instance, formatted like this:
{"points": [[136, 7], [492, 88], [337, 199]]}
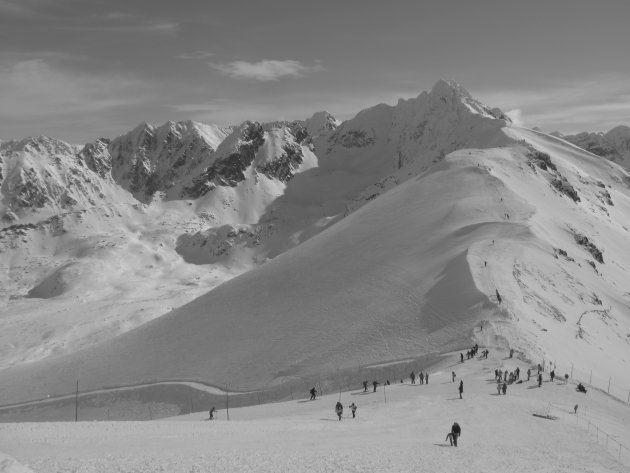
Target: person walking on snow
{"points": [[313, 393], [539, 379], [413, 378], [375, 383], [421, 376], [552, 375], [365, 383], [499, 387], [453, 374], [212, 411], [504, 388], [461, 357], [461, 389], [456, 430], [426, 378], [339, 409], [353, 408]]}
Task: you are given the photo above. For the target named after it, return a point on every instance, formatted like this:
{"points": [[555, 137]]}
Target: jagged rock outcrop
{"points": [[45, 174], [151, 159]]}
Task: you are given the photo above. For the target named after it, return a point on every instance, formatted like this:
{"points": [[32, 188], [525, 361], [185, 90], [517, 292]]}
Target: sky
{"points": [[83, 69]]}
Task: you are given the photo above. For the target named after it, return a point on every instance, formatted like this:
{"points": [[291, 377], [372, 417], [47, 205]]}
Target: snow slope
{"points": [[402, 277], [402, 429]]}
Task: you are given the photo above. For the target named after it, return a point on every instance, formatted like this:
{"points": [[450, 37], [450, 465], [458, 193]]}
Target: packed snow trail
{"points": [[406, 434]]}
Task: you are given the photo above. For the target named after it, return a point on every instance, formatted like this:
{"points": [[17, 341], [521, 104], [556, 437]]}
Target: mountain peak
{"points": [[445, 88]]}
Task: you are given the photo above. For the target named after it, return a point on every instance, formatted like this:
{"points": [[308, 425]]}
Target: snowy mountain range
{"points": [[613, 145], [268, 254]]}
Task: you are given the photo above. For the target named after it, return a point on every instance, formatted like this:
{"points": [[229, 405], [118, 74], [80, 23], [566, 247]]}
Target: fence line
{"points": [[613, 446], [615, 388]]}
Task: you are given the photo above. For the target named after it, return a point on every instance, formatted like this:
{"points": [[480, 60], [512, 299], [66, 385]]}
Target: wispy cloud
{"points": [[196, 107], [21, 8], [200, 55], [34, 89], [265, 70], [595, 104]]}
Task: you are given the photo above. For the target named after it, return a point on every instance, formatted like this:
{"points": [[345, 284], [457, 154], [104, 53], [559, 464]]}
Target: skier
{"points": [[339, 409], [365, 386], [313, 393], [461, 357], [456, 430], [504, 388], [375, 383], [453, 374], [413, 378], [539, 380], [212, 411], [498, 295], [461, 389], [353, 408], [575, 409]]}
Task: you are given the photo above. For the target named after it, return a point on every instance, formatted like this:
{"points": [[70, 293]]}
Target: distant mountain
{"points": [[613, 145]]}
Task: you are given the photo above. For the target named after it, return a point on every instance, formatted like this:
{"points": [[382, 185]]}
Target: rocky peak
{"points": [[321, 123], [150, 159]]}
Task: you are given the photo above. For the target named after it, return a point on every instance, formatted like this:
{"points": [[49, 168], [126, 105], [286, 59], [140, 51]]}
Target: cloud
{"points": [[195, 55], [265, 70], [516, 116], [34, 89], [595, 104], [20, 8], [196, 107]]}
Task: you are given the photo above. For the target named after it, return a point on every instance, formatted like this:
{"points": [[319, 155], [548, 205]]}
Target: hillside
{"points": [[388, 243]]}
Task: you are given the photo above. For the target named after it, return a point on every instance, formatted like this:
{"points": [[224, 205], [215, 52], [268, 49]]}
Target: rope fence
{"points": [[609, 441], [612, 386]]}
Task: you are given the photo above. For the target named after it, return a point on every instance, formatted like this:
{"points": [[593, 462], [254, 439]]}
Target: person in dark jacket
{"points": [[339, 409], [313, 393], [365, 383], [375, 383], [353, 408], [461, 389], [456, 430]]}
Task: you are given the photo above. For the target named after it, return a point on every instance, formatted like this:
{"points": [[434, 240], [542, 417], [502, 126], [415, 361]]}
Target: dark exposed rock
{"points": [[542, 160], [561, 184], [229, 171], [284, 167], [590, 247]]}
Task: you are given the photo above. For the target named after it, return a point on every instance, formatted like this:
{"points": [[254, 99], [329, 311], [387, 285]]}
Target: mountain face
{"points": [[268, 253], [613, 145]]}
